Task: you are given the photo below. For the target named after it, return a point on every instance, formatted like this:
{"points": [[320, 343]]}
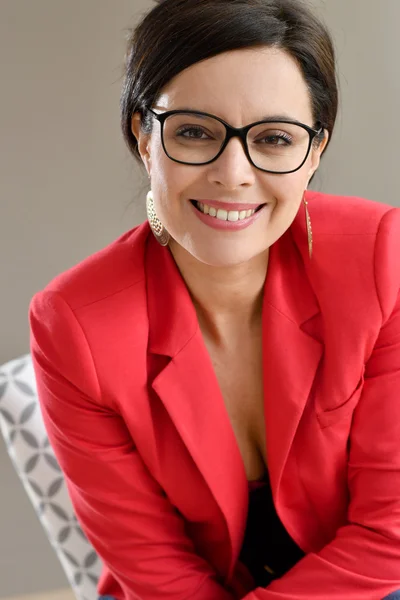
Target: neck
{"points": [[228, 300]]}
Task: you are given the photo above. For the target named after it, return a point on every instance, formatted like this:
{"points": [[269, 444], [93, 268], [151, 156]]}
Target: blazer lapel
{"points": [[189, 390], [291, 354]]}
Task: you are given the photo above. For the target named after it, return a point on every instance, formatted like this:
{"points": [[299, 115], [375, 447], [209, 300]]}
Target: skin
{"points": [[225, 271]]}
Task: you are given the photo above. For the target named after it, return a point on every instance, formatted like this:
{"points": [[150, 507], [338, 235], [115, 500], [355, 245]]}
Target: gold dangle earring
{"points": [[160, 233], [308, 225]]}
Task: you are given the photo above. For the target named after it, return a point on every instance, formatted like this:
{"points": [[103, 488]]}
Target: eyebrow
{"points": [[281, 117]]}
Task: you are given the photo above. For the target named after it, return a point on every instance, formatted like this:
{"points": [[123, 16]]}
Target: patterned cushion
{"points": [[33, 458]]}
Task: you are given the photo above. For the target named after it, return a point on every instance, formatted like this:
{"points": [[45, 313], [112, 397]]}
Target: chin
{"points": [[227, 257]]}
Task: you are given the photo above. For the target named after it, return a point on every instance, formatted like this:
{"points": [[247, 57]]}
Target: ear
{"points": [[143, 140], [317, 153]]}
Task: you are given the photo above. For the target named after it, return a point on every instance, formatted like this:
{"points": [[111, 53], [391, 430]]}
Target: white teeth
{"points": [[222, 214], [225, 215]]}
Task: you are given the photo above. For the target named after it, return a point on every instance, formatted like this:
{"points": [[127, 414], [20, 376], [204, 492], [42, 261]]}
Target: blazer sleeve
{"points": [[122, 509], [363, 560]]}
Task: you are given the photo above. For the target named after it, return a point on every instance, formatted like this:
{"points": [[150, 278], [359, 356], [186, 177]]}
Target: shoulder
{"points": [[104, 274], [346, 215], [356, 248], [347, 228], [90, 321]]}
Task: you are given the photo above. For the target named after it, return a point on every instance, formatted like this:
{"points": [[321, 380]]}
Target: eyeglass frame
{"points": [[231, 132]]}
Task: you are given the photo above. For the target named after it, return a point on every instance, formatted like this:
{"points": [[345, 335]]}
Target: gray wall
{"points": [[68, 186], [363, 159]]}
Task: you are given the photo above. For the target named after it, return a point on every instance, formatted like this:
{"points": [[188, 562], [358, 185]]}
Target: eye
{"points": [[191, 131], [277, 139]]}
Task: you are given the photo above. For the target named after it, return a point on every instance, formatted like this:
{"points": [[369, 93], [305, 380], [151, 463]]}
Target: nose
{"points": [[232, 169]]}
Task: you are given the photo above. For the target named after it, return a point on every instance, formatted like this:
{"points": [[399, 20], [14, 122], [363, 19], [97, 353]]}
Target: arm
{"points": [[123, 510], [363, 561]]}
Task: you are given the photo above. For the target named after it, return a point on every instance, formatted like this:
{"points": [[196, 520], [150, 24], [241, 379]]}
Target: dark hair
{"points": [[176, 34]]}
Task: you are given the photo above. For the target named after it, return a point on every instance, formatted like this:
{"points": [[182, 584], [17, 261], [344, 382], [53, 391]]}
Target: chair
{"points": [[28, 446]]}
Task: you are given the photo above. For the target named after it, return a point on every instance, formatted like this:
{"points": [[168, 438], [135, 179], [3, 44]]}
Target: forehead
{"points": [[241, 86]]}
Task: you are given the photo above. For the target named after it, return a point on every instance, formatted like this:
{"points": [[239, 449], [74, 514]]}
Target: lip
{"points": [[227, 225], [228, 205]]}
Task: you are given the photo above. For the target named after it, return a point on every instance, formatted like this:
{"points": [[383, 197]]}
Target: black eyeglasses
{"points": [[197, 138]]}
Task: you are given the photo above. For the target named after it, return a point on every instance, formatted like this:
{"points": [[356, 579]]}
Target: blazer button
{"points": [[269, 570]]}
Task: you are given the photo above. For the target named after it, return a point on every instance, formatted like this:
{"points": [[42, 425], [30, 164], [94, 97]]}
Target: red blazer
{"points": [[136, 418]]}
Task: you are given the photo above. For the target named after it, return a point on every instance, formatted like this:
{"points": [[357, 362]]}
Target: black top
{"points": [[268, 551]]}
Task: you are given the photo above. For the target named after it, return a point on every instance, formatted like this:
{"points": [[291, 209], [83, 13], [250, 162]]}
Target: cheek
{"points": [[169, 182], [158, 162], [174, 183], [165, 173], [288, 190]]}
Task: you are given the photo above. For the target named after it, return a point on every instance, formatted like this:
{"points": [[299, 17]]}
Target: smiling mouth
{"points": [[225, 215]]}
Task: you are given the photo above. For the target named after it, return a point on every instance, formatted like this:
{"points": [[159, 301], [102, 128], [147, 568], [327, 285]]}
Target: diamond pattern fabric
{"points": [[27, 444]]}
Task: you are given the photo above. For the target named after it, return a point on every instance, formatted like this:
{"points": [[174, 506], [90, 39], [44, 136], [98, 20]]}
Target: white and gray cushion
{"points": [[23, 429]]}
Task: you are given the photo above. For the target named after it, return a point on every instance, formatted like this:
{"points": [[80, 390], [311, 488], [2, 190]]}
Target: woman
{"points": [[223, 395]]}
